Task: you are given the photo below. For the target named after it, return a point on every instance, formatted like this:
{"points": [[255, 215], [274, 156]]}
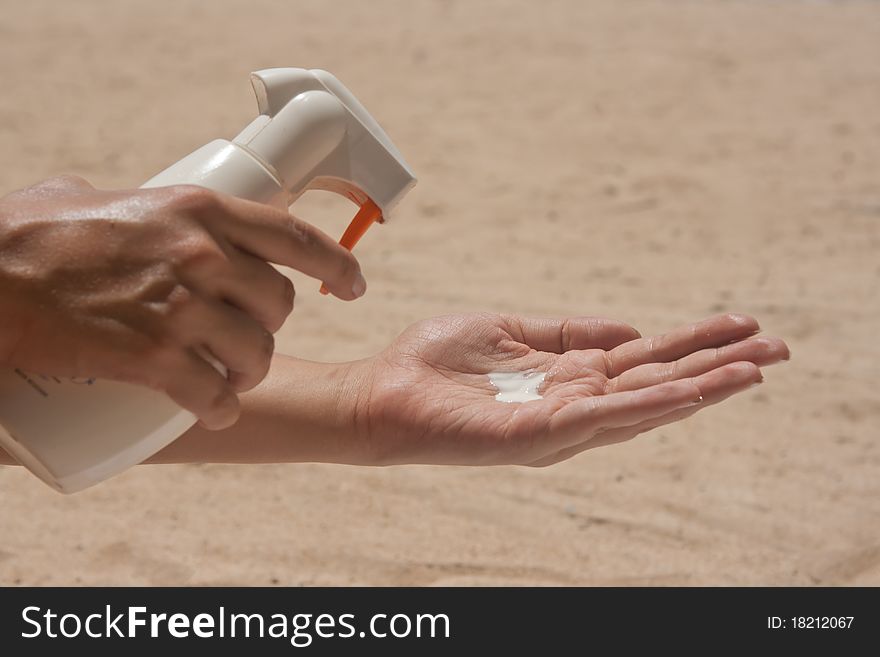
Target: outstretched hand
{"points": [[428, 398]]}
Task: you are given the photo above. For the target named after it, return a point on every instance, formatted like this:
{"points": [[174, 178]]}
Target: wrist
{"points": [[353, 401], [323, 414]]}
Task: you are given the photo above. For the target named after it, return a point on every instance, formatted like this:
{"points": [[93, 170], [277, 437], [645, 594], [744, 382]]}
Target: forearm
{"points": [[302, 412]]}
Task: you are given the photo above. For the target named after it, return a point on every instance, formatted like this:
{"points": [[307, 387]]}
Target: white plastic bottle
{"points": [[311, 133]]}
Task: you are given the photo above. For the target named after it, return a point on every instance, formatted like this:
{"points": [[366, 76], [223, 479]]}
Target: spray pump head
{"points": [[312, 133]]}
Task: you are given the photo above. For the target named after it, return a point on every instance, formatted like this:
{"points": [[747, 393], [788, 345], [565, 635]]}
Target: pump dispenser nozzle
{"points": [[312, 133]]}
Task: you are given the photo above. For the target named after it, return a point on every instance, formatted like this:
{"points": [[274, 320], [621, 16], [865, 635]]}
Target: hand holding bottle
{"points": [[135, 285]]}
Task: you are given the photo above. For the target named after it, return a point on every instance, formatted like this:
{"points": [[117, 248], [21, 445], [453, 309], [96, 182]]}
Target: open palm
{"points": [[429, 399]]}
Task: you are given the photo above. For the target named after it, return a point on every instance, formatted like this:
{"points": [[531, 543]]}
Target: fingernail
{"points": [[360, 286], [694, 402], [755, 384]]}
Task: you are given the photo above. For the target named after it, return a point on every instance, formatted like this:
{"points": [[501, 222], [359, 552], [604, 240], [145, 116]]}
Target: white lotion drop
{"points": [[517, 386]]}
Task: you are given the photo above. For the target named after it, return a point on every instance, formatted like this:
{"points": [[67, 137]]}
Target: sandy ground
{"points": [[655, 162]]}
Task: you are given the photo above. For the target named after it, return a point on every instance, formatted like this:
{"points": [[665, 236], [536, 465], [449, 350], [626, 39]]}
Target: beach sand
{"points": [[655, 162]]}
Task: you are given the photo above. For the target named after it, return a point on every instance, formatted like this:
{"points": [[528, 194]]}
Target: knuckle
{"points": [[193, 199], [288, 295], [168, 309], [282, 306], [51, 186], [219, 395], [160, 282], [201, 254], [266, 348], [177, 302], [68, 180], [301, 232], [223, 409], [212, 411], [346, 266]]}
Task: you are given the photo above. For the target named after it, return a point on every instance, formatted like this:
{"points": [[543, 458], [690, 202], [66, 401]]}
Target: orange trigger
{"points": [[369, 213]]}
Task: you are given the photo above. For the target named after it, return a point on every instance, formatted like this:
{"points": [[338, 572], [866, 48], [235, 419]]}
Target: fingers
{"points": [[716, 386], [592, 415], [244, 347], [256, 288], [712, 332], [561, 335], [760, 351], [277, 236], [202, 390]]}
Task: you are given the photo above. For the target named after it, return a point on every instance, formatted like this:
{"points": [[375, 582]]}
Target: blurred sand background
{"points": [[651, 161]]}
